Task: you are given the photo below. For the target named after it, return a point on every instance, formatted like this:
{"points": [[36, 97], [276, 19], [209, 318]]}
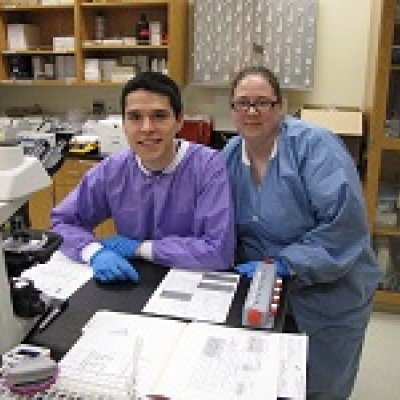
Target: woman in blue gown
{"points": [[298, 200]]}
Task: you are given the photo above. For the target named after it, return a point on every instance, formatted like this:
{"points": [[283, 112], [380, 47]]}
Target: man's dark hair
{"points": [[154, 82], [263, 72]]}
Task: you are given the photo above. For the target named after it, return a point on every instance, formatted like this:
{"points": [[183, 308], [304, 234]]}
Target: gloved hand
{"points": [[247, 269], [121, 245], [108, 266], [281, 268]]}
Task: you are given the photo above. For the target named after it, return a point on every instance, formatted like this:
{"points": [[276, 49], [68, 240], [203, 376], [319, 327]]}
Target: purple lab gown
{"points": [[186, 213]]}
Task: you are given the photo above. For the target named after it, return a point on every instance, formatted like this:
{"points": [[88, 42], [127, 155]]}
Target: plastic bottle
{"points": [[143, 29], [99, 32]]}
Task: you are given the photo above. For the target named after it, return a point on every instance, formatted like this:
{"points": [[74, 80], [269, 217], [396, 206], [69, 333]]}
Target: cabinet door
{"points": [[382, 182], [40, 205], [65, 181], [277, 34], [72, 171], [107, 228], [387, 221]]}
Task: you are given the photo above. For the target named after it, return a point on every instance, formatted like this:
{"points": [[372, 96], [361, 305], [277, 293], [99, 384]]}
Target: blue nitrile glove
{"points": [[108, 266], [121, 245], [247, 269], [282, 269]]}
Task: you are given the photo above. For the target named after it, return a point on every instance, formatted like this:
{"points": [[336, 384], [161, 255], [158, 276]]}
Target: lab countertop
{"points": [[65, 330]]}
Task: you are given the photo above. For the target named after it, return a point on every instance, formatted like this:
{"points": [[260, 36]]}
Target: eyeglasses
{"points": [[258, 104]]}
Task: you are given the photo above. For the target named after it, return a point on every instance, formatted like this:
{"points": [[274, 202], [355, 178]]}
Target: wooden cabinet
{"points": [[382, 183], [64, 181], [112, 51], [40, 205], [34, 28]]}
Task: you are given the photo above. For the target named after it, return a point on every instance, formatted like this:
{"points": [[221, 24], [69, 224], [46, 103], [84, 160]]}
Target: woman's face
{"points": [[255, 111]]}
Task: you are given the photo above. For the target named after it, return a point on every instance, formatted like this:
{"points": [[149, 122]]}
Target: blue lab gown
{"points": [[309, 212], [187, 213]]}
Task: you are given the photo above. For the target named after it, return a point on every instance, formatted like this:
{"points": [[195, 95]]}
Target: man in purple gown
{"points": [[169, 199]]}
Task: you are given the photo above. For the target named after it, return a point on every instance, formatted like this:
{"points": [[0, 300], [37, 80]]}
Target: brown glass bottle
{"points": [[142, 30]]}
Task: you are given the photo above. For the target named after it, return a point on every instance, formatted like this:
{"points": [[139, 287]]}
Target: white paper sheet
{"points": [[216, 362], [292, 370], [60, 277], [194, 295]]}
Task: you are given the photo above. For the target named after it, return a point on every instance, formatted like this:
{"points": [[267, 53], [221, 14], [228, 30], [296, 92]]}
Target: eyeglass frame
{"points": [[269, 105]]}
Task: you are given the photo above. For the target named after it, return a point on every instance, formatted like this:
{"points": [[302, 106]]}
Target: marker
{"points": [[55, 310]]}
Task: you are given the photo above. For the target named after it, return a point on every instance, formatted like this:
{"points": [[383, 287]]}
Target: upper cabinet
{"points": [[277, 34], [100, 42], [382, 184]]}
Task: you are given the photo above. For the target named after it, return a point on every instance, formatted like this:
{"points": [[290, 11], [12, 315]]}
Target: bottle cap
{"points": [[254, 317], [274, 309]]}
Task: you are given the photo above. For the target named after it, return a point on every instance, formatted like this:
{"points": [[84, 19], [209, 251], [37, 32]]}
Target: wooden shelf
{"points": [[40, 52], [10, 8], [57, 82], [122, 47], [79, 20], [387, 301], [38, 82], [390, 143], [386, 230], [124, 4]]}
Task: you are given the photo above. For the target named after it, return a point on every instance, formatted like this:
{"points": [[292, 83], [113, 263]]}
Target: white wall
{"points": [[341, 53], [340, 71]]}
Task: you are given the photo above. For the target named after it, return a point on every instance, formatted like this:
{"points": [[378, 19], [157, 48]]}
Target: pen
{"points": [[55, 310]]}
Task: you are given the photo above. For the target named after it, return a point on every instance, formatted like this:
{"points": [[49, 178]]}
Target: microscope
{"points": [[20, 177]]}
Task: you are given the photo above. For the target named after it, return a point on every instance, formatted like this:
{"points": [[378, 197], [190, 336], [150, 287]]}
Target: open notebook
{"points": [[125, 356]]}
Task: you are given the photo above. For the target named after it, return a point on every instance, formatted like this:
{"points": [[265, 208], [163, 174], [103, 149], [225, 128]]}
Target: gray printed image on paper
{"points": [[216, 287], [172, 294], [214, 347], [216, 276]]}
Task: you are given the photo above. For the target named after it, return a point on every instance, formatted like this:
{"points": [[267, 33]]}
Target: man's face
{"points": [[150, 127], [261, 119]]}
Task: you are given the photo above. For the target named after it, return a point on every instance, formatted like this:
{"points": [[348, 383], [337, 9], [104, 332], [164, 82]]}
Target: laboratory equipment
{"points": [[82, 145], [263, 298], [20, 177], [109, 131], [24, 247]]}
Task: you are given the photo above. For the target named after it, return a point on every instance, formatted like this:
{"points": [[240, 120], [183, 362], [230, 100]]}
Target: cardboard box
{"points": [[63, 43], [22, 36], [341, 121], [347, 123]]}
